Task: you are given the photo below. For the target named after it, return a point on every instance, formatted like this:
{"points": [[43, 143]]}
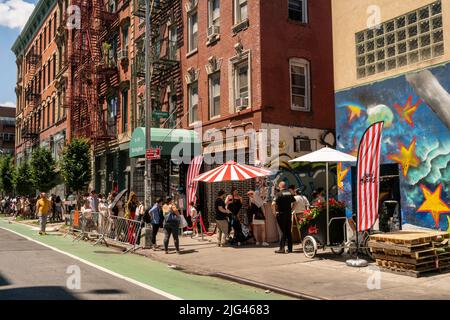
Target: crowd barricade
{"points": [[87, 225], [123, 230], [97, 226]]}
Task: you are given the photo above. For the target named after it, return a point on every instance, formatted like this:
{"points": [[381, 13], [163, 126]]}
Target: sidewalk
{"points": [[326, 276]]}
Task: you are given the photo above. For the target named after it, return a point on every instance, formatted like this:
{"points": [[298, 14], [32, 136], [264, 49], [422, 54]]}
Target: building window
{"points": [[44, 73], [49, 31], [45, 37], [241, 88], [40, 43], [125, 38], [193, 31], [53, 111], [408, 39], [213, 17], [300, 85], [193, 102], [54, 66], [124, 111], [298, 10], [48, 72], [240, 11], [173, 43], [214, 95], [48, 116], [54, 25], [112, 115], [304, 144], [112, 6]]}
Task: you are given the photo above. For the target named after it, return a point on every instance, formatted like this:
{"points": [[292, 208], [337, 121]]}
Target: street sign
{"points": [[160, 115], [153, 154]]}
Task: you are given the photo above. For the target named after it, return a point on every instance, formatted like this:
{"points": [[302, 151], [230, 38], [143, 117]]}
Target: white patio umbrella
{"points": [[326, 155]]}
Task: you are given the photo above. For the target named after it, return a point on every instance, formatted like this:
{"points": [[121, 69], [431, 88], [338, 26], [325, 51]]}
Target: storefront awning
{"points": [[166, 139]]}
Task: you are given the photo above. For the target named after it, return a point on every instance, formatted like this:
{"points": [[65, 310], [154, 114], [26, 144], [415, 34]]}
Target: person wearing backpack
{"points": [[171, 224]]}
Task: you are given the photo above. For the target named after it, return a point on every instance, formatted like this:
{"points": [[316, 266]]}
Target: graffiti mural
{"points": [[416, 111]]}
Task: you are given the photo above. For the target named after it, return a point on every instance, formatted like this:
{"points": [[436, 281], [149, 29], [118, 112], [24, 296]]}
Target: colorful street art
{"points": [[416, 111]]}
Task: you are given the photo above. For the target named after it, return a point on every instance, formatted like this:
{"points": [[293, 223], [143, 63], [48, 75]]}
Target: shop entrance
{"points": [[390, 200]]}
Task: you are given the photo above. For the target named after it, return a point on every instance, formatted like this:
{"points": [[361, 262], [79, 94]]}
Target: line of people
{"points": [[25, 207]]}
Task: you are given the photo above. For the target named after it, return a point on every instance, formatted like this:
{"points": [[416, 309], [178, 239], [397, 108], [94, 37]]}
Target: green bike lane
{"points": [[146, 271]]}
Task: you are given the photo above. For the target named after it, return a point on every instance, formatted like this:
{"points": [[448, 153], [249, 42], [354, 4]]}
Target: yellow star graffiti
{"points": [[433, 203], [407, 111], [355, 112], [407, 157], [341, 174]]}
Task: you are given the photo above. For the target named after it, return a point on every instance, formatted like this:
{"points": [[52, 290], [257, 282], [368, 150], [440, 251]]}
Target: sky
{"points": [[13, 17]]}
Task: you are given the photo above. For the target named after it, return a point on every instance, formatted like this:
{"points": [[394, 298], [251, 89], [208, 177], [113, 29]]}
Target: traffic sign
{"points": [[153, 154]]}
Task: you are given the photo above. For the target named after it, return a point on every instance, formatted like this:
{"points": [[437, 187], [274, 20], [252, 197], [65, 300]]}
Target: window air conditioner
{"points": [[213, 31], [241, 103]]}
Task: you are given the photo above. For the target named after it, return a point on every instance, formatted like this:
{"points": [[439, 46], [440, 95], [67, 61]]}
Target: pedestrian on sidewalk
{"points": [[195, 219], [284, 202], [258, 218], [130, 213], [171, 224], [155, 217], [221, 215], [42, 209]]}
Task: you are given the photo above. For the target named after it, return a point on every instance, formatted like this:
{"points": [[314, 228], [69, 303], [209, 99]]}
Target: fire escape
{"points": [[166, 39], [90, 67], [30, 127]]}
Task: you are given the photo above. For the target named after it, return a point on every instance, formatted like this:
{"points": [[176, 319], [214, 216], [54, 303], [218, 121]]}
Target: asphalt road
{"points": [[32, 271]]}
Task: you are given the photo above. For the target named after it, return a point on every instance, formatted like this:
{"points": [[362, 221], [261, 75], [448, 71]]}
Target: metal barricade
{"points": [[87, 225], [122, 230]]}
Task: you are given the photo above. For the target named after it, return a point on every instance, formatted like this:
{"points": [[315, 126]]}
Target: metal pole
{"points": [[148, 103]]}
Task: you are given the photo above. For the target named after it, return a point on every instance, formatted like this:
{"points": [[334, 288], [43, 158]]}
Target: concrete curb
{"points": [[264, 286]]}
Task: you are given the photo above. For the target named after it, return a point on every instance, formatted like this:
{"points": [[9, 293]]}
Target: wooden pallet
{"points": [[398, 247], [402, 259], [421, 267], [410, 273], [411, 237]]}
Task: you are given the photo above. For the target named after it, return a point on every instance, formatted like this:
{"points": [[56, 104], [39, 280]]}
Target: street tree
{"points": [[23, 181], [75, 165], [7, 173], [43, 170]]}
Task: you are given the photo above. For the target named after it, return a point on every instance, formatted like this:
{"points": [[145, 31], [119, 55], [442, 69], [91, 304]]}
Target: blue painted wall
{"points": [[415, 109]]}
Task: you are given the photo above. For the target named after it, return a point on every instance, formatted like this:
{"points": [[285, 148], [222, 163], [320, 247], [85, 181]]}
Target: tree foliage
{"points": [[7, 173], [23, 181], [43, 170], [75, 165]]}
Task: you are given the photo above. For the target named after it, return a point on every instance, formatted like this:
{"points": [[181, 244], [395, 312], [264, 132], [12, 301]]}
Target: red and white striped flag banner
{"points": [[191, 185], [369, 176]]}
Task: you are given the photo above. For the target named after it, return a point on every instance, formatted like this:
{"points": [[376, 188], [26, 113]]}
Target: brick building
{"points": [[40, 115], [7, 130], [244, 64]]}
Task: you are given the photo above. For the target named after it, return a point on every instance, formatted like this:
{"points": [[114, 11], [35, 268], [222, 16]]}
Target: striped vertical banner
{"points": [[369, 176], [191, 185]]}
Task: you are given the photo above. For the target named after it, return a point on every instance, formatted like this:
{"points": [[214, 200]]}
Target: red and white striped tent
{"points": [[232, 171]]}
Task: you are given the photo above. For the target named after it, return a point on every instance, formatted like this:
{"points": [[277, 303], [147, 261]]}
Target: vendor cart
{"points": [[319, 233]]}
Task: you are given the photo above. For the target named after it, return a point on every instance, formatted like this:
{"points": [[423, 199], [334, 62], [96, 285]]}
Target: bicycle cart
{"points": [[322, 233]]}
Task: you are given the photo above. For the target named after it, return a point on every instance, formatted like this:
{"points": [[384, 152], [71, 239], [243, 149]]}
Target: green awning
{"points": [[166, 139]]}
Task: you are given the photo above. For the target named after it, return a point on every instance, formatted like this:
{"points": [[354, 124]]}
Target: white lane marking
{"points": [[117, 275]]}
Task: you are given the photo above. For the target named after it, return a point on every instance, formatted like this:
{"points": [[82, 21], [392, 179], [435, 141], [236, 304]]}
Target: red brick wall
{"points": [[223, 49], [283, 39]]}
